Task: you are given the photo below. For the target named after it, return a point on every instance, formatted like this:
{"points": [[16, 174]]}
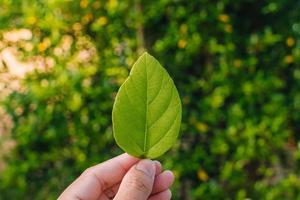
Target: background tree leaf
{"points": [[147, 110]]}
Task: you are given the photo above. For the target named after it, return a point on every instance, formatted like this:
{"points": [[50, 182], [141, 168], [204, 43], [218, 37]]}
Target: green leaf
{"points": [[147, 110]]}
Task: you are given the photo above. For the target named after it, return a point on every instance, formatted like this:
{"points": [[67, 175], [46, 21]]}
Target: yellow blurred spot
{"points": [[183, 28], [293, 179], [202, 175], [84, 3], [290, 41], [228, 28], [42, 46], [112, 4], [86, 83], [181, 43], [186, 100], [201, 127], [66, 42], [44, 83], [96, 4], [217, 101], [224, 18], [237, 63], [58, 51], [31, 20], [28, 46], [47, 42], [102, 21], [87, 18], [77, 26], [289, 59], [75, 102]]}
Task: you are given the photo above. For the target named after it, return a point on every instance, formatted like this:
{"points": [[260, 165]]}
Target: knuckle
{"points": [[88, 172], [139, 185], [109, 193]]}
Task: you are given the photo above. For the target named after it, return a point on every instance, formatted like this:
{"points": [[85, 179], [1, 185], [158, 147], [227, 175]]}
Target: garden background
{"points": [[236, 65]]}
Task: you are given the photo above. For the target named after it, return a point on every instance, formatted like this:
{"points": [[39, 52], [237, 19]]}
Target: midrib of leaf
{"points": [[146, 118]]}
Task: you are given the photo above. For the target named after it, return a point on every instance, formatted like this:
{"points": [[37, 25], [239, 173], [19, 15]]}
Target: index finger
{"points": [[94, 180]]}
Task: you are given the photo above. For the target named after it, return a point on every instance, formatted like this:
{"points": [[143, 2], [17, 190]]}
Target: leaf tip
{"points": [[145, 53]]}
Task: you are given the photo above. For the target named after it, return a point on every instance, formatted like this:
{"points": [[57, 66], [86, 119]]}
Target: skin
{"points": [[122, 178]]}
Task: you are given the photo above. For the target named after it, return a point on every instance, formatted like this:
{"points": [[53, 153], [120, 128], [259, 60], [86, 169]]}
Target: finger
{"points": [[158, 167], [112, 191], [164, 195], [96, 179], [138, 182], [112, 171], [163, 181]]}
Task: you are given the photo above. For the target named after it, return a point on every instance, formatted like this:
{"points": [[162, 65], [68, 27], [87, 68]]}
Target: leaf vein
{"points": [[163, 111], [130, 101], [162, 116], [160, 88], [166, 133]]}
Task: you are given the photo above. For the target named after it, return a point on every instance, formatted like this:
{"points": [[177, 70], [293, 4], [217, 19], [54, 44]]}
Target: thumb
{"points": [[138, 182]]}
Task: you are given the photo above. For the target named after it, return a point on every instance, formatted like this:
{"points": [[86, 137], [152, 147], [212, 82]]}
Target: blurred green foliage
{"points": [[236, 65]]}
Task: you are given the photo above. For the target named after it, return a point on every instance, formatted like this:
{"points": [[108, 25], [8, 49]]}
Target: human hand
{"points": [[122, 178]]}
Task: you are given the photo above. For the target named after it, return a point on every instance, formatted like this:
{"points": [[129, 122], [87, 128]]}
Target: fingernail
{"points": [[147, 167]]}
